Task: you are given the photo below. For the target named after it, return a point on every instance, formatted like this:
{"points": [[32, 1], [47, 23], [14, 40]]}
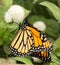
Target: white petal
{"points": [[17, 13], [40, 25], [8, 17]]}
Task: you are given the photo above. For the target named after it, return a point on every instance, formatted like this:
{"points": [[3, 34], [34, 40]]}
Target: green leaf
{"points": [[53, 33], [2, 32], [57, 43], [57, 47], [7, 3], [52, 63], [3, 8], [53, 8], [11, 27], [55, 59], [7, 38], [7, 32], [27, 12], [1, 42], [26, 4], [6, 49], [24, 60]]}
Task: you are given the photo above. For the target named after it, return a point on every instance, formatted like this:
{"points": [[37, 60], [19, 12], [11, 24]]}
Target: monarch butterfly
{"points": [[28, 40]]}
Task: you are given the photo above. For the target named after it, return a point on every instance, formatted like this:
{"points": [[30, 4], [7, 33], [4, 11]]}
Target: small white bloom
{"points": [[17, 13], [8, 17], [40, 25], [36, 59]]}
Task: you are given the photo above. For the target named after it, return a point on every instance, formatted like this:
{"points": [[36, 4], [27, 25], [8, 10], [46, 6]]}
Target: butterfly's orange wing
{"points": [[40, 40], [36, 36]]}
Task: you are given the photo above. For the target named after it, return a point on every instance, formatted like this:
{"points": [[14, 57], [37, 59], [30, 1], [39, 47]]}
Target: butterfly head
{"points": [[24, 24]]}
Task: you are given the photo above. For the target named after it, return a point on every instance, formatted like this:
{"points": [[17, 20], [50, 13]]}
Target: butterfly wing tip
{"points": [[16, 53]]}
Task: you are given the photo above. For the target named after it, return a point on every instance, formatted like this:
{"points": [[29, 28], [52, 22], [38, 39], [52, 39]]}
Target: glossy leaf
{"points": [[57, 47], [53, 8], [54, 59], [24, 60]]}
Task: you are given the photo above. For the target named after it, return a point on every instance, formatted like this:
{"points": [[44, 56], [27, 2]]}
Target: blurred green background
{"points": [[47, 11]]}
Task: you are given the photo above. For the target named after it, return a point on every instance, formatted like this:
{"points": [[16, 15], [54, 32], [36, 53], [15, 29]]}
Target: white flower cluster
{"points": [[40, 25], [15, 13]]}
